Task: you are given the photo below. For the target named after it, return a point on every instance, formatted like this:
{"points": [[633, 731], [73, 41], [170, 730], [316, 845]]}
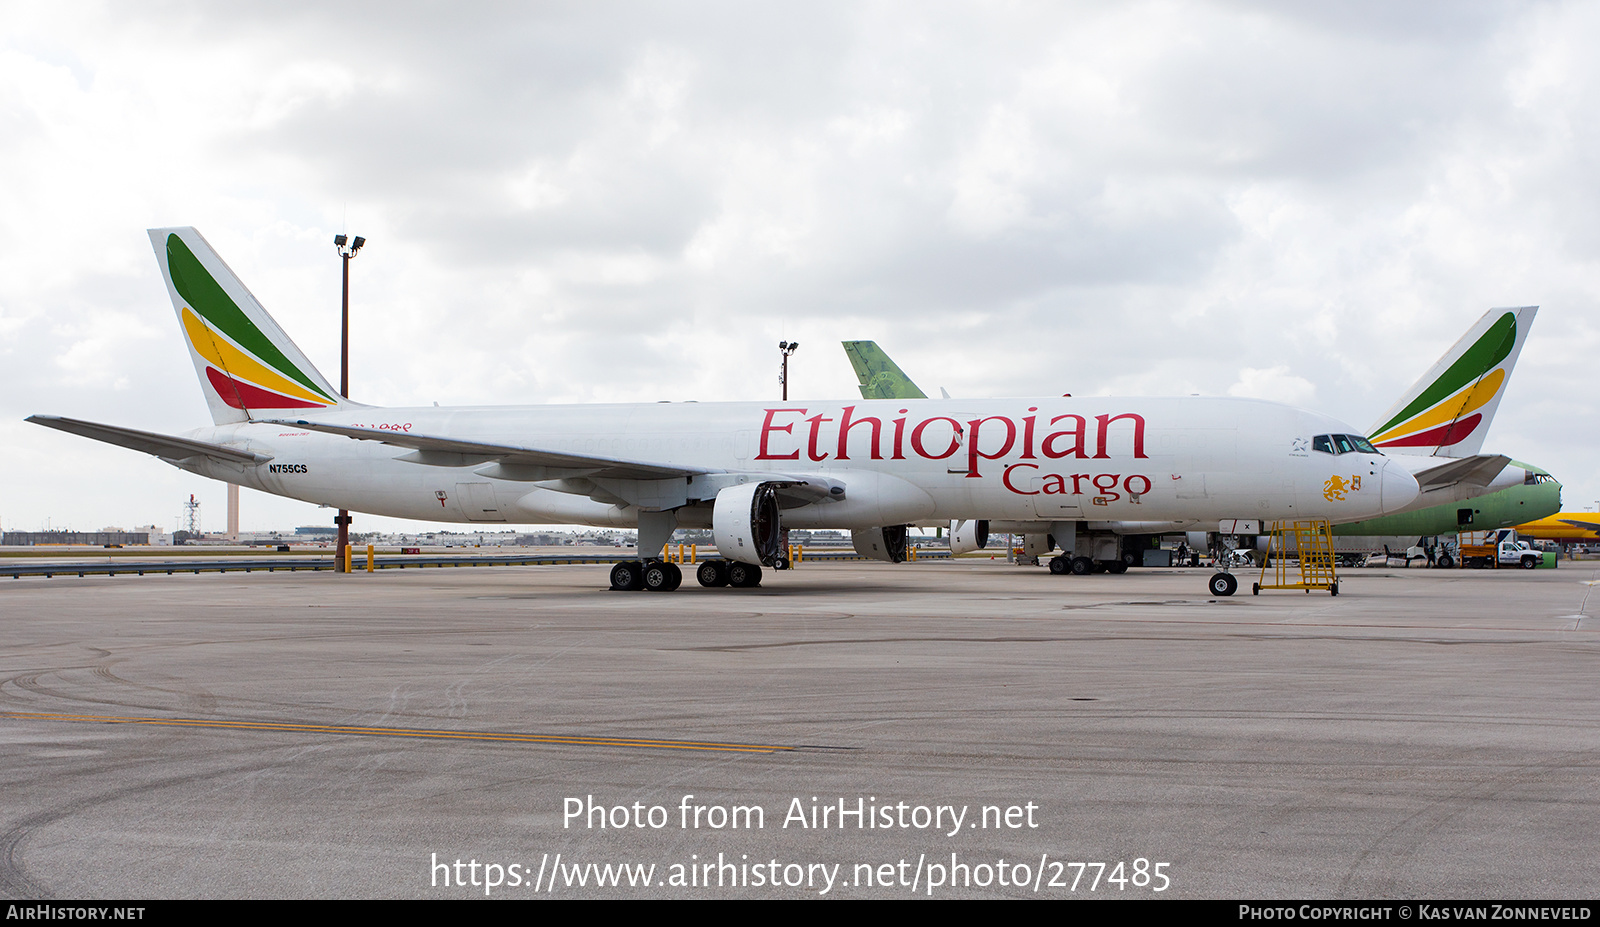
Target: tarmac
{"points": [[946, 729]]}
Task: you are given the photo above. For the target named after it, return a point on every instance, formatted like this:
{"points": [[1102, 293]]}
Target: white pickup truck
{"points": [[1497, 549]]}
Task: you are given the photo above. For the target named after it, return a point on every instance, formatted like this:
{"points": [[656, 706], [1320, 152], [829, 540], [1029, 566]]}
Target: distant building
{"points": [[83, 538], [158, 536]]}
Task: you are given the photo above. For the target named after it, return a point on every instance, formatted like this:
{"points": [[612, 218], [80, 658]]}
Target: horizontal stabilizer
{"points": [[506, 454], [164, 446], [1479, 470]]}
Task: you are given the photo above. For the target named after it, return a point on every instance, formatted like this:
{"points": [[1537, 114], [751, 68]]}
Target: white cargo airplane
{"points": [[1435, 431], [746, 470]]}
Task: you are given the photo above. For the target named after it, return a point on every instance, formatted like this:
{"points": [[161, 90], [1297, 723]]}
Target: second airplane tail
{"points": [[248, 366], [880, 377]]}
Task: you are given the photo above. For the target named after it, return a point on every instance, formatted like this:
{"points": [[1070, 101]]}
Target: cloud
{"points": [[570, 203], [1274, 383]]}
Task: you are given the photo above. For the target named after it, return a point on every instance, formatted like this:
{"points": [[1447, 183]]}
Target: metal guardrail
{"points": [[286, 565], [240, 565]]}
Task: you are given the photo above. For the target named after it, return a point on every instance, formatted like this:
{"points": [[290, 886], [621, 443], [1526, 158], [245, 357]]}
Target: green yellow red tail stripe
{"points": [[244, 360], [1449, 410]]}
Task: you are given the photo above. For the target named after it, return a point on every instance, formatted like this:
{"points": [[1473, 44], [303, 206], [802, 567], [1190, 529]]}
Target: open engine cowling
{"points": [[887, 543], [745, 526], [968, 536]]}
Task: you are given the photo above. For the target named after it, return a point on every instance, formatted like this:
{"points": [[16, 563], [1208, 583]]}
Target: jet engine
{"points": [[887, 543], [968, 536], [744, 524]]}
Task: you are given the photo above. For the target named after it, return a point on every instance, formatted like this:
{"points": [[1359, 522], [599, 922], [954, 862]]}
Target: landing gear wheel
{"points": [[1116, 566], [1082, 566], [661, 577], [1059, 566], [1223, 584], [712, 574], [625, 577], [656, 577], [743, 575]]}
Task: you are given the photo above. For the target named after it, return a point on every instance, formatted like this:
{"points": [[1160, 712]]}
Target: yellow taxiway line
{"points": [[490, 736]]}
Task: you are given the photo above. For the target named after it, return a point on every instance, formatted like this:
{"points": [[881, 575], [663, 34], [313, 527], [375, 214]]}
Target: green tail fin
{"points": [[880, 377]]}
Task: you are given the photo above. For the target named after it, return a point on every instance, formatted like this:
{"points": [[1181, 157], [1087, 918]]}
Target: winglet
{"points": [[1448, 411]]}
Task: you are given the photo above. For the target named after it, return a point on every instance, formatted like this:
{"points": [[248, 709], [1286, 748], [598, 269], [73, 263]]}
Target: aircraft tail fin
{"points": [[247, 365], [1448, 411], [880, 377]]}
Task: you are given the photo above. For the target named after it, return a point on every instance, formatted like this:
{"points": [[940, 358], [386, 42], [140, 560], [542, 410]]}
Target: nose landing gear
{"points": [[1223, 584]]}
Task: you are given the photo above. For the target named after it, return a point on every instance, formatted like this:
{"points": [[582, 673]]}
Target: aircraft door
{"points": [[478, 503], [1051, 502]]}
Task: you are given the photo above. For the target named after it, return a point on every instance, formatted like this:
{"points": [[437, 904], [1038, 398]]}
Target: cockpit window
{"points": [[1342, 444], [1531, 478]]}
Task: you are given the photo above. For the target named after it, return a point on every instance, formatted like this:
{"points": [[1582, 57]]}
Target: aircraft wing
{"points": [[167, 447], [508, 455], [1478, 470], [1582, 525], [604, 479]]}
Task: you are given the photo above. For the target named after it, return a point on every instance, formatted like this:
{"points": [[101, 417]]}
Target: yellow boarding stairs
{"points": [[1313, 541]]}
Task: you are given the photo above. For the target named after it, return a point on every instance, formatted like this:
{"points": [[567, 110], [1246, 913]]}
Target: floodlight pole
{"points": [[347, 250], [785, 348], [344, 329]]}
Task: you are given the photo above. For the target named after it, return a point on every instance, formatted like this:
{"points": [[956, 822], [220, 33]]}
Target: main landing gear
{"points": [[1083, 566], [714, 574], [650, 575], [661, 576]]}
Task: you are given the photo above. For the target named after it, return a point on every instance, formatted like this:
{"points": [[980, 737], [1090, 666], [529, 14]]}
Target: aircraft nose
{"points": [[1398, 487]]}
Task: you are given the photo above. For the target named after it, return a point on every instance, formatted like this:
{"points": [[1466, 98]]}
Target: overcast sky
{"points": [[1306, 202]]}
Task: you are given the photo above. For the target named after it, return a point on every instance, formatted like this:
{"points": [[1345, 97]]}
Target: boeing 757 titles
{"points": [[745, 470]]}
